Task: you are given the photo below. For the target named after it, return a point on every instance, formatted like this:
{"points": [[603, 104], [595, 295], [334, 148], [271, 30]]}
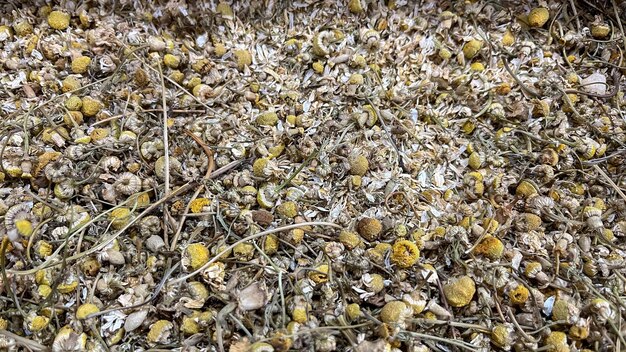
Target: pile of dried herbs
{"points": [[358, 175]]}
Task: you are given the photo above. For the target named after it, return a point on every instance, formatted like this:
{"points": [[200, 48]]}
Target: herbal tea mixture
{"points": [[312, 175]]}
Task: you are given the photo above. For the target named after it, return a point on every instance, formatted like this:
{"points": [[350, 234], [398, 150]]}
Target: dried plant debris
{"points": [[312, 175]]}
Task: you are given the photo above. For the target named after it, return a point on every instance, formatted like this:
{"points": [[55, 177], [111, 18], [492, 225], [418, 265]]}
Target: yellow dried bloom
{"points": [[519, 295], [44, 249], [197, 205], [475, 161], [171, 61], [477, 67], [356, 78], [353, 311], [38, 323], [243, 251], [600, 31], [160, 332], [556, 340], [198, 255], [376, 283], [70, 83], [269, 118], [224, 9], [271, 244], [508, 38], [459, 291], [525, 189], [44, 290], [43, 277], [219, 49], [81, 64], [471, 48], [258, 167], [68, 286], [244, 58], [119, 217], [579, 331], [349, 239], [91, 107], [318, 67], [369, 228], [4, 324], [538, 17], [24, 227], [404, 253], [85, 309], [99, 134], [59, 20], [445, 54], [560, 310], [287, 209], [73, 103], [490, 247], [319, 274], [22, 28], [189, 326], [355, 6], [359, 165], [502, 336], [299, 315], [394, 312]]}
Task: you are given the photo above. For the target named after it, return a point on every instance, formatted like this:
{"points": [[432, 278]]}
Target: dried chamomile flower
{"points": [[369, 228], [374, 283], [59, 20], [490, 247], [196, 255], [243, 57], [357, 6], [350, 239], [600, 30], [472, 48], [353, 311], [404, 253], [120, 217], [70, 83], [67, 339], [81, 64], [22, 27], [459, 291], [85, 310], [502, 336], [269, 118], [243, 251], [526, 189], [19, 221], [538, 17], [198, 205], [580, 330], [319, 274], [38, 323], [519, 295], [271, 244], [160, 332], [508, 38], [287, 209], [359, 165], [91, 107], [171, 61], [74, 103], [128, 183], [556, 342], [395, 312]]}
